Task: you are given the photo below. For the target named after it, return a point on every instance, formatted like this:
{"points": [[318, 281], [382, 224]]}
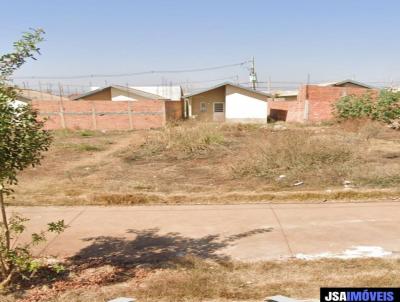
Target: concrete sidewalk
{"points": [[245, 232]]}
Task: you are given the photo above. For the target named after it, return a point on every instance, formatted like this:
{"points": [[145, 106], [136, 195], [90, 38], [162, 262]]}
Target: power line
{"points": [[234, 78], [135, 73]]}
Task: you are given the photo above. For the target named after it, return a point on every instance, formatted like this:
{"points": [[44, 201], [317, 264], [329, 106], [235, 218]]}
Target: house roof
{"points": [[287, 93], [173, 93], [38, 95], [224, 84], [345, 82], [124, 88]]}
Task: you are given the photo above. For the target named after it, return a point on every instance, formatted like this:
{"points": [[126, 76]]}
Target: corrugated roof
{"points": [[344, 82], [287, 93], [38, 95], [173, 93], [224, 84], [123, 88]]}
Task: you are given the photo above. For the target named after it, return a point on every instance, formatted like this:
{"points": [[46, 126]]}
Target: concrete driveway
{"points": [[245, 232]]}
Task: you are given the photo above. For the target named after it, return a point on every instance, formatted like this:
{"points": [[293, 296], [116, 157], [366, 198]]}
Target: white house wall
{"points": [[244, 106]]}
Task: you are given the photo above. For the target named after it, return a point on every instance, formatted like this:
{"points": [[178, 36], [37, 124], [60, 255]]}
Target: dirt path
{"points": [[246, 232], [134, 139]]}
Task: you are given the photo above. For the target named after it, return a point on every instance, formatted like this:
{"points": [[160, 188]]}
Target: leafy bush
{"points": [[18, 260], [352, 106], [22, 141], [385, 108]]}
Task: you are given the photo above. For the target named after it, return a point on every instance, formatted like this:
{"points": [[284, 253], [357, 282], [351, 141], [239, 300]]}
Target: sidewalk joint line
{"points": [[282, 231]]}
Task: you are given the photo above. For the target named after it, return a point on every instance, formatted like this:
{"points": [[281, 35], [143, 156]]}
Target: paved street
{"points": [[246, 232]]}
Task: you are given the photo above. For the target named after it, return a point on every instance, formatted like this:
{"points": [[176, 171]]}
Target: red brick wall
{"points": [[174, 110], [295, 109], [321, 99], [102, 115]]}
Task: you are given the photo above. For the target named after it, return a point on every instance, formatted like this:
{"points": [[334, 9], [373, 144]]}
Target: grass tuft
{"points": [[84, 147], [298, 154], [180, 142]]}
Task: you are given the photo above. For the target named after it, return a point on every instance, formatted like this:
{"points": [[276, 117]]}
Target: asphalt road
{"points": [[245, 232]]}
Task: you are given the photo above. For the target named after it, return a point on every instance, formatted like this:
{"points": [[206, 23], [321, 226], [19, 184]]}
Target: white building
{"points": [[228, 102]]}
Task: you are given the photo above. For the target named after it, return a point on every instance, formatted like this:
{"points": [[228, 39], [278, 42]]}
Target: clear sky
{"points": [[330, 40]]}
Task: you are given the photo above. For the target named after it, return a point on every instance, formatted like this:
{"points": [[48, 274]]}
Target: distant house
{"points": [[173, 107], [315, 102], [292, 95], [173, 95], [29, 95], [227, 102], [117, 93], [288, 95], [346, 83]]}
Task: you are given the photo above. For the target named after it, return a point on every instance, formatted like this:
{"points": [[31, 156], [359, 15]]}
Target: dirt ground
{"points": [[213, 163], [201, 163]]}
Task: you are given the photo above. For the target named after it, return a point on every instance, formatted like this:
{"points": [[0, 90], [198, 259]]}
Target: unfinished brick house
{"points": [[314, 103], [171, 95], [109, 108], [101, 115]]}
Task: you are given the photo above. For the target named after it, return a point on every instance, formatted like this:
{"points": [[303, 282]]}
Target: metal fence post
{"points": [[94, 121], [306, 110], [62, 115], [130, 115]]}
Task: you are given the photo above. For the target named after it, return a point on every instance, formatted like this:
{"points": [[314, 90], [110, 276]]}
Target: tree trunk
{"points": [[5, 221]]}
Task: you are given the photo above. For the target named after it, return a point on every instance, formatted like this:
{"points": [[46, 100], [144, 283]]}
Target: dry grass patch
{"points": [[84, 147], [197, 280], [300, 155], [126, 199], [194, 279], [219, 163], [181, 141]]}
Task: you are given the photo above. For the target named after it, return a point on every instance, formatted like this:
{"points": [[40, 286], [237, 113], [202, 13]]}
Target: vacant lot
{"points": [[194, 279], [200, 163]]}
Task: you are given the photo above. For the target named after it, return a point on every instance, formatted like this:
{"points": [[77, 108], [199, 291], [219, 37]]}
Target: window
{"points": [[218, 107], [203, 107]]}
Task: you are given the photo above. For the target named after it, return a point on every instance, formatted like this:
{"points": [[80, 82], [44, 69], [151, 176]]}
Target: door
{"points": [[219, 112]]}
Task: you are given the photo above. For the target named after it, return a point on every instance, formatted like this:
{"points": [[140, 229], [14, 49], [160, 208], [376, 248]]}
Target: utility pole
{"points": [[253, 75], [269, 85]]}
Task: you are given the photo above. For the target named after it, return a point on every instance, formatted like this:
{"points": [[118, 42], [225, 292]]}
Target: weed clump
{"points": [[181, 142], [298, 155]]}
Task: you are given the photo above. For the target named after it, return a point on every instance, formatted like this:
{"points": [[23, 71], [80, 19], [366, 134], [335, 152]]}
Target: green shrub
{"points": [[385, 108], [352, 106]]}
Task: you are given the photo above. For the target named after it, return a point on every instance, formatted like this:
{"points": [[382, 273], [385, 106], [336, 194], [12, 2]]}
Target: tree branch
{"points": [[5, 221]]}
